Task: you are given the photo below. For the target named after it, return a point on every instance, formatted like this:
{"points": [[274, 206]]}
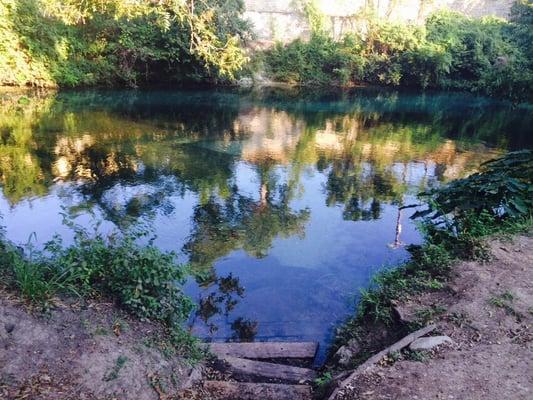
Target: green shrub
{"points": [[140, 278], [74, 43], [487, 55], [502, 189]]}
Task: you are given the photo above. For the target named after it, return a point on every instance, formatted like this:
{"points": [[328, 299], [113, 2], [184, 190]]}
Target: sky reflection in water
{"points": [[285, 204]]}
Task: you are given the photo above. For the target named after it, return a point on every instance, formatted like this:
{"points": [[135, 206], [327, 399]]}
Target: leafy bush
{"points": [[75, 43], [502, 189], [487, 55], [141, 279]]}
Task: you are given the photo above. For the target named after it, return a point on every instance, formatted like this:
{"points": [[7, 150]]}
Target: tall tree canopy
{"points": [[87, 42]]}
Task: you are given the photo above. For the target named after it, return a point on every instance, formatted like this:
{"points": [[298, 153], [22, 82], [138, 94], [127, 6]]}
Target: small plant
{"points": [[428, 314], [394, 356], [323, 380], [413, 355], [115, 370], [504, 301], [100, 331], [458, 318]]}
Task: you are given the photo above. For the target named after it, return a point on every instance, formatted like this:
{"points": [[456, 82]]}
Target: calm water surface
{"points": [[285, 204]]}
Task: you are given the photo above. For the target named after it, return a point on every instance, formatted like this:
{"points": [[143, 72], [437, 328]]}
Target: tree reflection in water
{"points": [[242, 162]]}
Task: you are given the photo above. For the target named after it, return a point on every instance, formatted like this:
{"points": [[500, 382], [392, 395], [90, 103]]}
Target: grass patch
{"points": [[427, 315], [504, 301], [413, 355], [141, 279]]}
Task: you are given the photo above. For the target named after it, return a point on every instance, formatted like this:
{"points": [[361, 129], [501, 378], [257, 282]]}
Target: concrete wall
{"points": [[284, 20]]}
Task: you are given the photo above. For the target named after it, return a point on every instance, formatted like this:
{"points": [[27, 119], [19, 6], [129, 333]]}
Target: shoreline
{"points": [[483, 308], [483, 311]]}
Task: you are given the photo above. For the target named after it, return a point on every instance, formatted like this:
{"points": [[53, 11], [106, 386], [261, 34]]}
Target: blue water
{"points": [[284, 203]]}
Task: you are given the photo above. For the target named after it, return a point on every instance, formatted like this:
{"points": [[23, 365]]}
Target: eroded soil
{"points": [[488, 312], [89, 352]]}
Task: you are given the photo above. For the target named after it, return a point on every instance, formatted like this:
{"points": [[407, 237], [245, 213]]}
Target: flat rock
{"points": [[430, 342], [260, 369], [257, 391], [265, 350]]}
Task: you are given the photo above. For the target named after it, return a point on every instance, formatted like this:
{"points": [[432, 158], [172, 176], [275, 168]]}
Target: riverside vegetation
{"points": [[456, 224], [146, 281], [451, 51], [72, 43], [141, 279], [80, 43]]}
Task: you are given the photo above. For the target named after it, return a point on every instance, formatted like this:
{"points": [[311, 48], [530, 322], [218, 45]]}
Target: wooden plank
{"points": [[265, 350], [406, 341], [261, 369], [257, 391]]}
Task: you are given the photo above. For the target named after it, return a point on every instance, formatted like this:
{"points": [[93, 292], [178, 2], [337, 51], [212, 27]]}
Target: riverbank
{"points": [[89, 350], [96, 351], [485, 309], [451, 279]]}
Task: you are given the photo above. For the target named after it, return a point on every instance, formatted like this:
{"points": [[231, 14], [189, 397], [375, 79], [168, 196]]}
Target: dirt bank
{"points": [[95, 351], [89, 352], [487, 310]]}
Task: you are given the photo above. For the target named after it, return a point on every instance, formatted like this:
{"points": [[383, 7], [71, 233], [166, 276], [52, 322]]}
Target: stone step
{"points": [[266, 350], [241, 367], [256, 391]]}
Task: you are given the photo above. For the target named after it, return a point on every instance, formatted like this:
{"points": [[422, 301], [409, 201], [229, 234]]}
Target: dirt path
{"points": [[487, 310], [94, 352]]}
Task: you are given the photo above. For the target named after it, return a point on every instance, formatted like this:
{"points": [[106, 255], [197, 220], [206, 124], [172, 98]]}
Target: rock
{"points": [[353, 345], [430, 342], [343, 356], [9, 327], [245, 82], [403, 313], [346, 353], [500, 63]]}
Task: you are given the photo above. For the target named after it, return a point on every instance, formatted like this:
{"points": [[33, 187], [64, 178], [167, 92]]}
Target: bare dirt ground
{"points": [[90, 352], [487, 310]]}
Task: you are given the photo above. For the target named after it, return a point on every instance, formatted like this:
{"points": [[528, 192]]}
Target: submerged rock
{"points": [[430, 342]]}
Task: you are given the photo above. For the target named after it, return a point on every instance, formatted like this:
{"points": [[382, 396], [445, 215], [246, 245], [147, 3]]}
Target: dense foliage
{"points": [[503, 189], [452, 51], [120, 42], [138, 278], [75, 43]]}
